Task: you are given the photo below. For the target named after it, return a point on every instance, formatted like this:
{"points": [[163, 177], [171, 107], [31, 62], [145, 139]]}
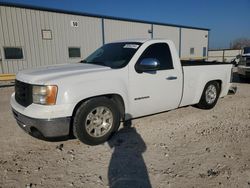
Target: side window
{"points": [[161, 52]]}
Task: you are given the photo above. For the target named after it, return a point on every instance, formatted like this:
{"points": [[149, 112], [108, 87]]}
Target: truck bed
{"points": [[197, 73]]}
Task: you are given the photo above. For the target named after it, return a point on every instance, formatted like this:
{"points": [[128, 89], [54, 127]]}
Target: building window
{"points": [[191, 51], [46, 34], [74, 52], [13, 53], [204, 51]]}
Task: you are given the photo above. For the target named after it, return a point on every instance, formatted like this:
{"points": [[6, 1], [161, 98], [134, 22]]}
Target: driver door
{"points": [[155, 91]]}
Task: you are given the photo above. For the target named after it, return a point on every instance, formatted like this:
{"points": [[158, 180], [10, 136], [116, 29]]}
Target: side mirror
{"points": [[148, 64]]}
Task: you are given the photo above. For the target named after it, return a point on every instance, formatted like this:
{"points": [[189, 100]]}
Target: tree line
{"points": [[240, 43]]}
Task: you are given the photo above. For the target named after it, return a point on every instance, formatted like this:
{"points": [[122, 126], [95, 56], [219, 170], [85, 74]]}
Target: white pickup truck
{"points": [[118, 82]]}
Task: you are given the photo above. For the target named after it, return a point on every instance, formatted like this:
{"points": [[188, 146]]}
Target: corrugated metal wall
{"points": [[191, 38], [167, 32], [119, 30], [22, 27]]}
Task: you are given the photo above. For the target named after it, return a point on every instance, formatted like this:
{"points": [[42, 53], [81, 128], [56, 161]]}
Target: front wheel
{"points": [[209, 96], [95, 120]]}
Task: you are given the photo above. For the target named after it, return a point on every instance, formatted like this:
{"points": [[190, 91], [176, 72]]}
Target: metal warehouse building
{"points": [[33, 36]]}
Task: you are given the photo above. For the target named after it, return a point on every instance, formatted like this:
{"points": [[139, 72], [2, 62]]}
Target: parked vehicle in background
{"points": [[246, 51], [119, 81], [244, 64]]}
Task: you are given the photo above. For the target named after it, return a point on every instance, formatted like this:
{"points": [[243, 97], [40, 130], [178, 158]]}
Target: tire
{"points": [[209, 96], [96, 120]]}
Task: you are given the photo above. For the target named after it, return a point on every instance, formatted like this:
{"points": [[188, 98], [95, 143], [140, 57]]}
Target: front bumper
{"points": [[43, 128]]}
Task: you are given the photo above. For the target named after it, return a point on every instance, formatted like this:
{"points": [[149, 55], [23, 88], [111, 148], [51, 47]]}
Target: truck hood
{"points": [[47, 74]]}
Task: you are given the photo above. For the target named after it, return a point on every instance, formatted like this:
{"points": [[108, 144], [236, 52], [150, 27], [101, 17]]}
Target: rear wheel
{"points": [[95, 120], [209, 96]]}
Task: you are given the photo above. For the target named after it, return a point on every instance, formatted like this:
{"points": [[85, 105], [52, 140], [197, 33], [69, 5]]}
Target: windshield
{"points": [[114, 55]]}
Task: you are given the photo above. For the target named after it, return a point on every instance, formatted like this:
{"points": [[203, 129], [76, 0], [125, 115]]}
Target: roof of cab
{"points": [[140, 40], [132, 40]]}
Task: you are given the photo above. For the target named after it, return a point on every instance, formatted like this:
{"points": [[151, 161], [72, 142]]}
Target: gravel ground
{"points": [[187, 147]]}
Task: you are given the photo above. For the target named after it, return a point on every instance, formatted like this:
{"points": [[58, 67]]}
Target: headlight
{"points": [[45, 95]]}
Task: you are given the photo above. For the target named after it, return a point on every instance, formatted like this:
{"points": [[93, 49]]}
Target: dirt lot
{"points": [[187, 147]]}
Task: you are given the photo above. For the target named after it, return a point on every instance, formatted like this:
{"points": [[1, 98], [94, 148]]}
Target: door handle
{"points": [[171, 78]]}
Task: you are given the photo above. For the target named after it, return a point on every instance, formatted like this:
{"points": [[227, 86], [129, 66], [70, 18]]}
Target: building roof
{"points": [[8, 4]]}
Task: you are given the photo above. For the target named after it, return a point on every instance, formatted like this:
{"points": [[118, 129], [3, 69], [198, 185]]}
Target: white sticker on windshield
{"points": [[134, 46]]}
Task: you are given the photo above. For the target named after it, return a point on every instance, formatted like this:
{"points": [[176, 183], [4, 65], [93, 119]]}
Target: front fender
{"points": [[76, 93]]}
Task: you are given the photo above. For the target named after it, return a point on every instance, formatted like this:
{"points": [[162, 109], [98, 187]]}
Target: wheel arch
{"points": [[117, 98]]}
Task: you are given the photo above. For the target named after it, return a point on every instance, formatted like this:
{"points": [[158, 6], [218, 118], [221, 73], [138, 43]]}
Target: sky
{"points": [[227, 19]]}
